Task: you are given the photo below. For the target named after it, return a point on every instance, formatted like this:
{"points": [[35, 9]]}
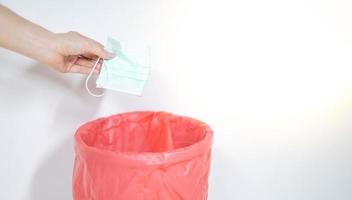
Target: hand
{"points": [[64, 52], [75, 53]]}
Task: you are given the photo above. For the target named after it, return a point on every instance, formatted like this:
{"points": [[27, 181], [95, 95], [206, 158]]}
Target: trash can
{"points": [[142, 156]]}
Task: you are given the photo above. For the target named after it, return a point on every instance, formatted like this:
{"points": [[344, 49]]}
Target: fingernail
{"points": [[109, 55]]}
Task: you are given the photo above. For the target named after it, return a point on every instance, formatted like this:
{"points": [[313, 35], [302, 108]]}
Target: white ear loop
{"points": [[88, 77]]}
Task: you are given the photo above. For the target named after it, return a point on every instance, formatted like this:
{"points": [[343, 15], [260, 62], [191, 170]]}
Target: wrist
{"points": [[43, 46]]}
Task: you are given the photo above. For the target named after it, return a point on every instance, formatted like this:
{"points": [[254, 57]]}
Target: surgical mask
{"points": [[127, 72]]}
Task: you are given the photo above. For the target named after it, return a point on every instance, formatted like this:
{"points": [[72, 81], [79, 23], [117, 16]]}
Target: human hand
{"points": [[64, 52], [74, 53]]}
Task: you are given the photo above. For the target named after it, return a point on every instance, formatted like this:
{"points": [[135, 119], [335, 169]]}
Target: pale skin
{"points": [[68, 52]]}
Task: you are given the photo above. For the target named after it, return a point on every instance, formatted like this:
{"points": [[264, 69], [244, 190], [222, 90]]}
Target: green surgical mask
{"points": [[128, 71]]}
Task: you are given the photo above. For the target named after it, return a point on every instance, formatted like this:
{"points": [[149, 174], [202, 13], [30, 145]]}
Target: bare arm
{"points": [[64, 52]]}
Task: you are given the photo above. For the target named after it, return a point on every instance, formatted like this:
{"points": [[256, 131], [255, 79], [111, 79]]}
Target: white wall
{"points": [[273, 78]]}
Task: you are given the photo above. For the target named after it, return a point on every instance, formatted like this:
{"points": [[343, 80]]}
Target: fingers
{"points": [[74, 44], [90, 56], [95, 48], [75, 68], [88, 63], [83, 66], [80, 53]]}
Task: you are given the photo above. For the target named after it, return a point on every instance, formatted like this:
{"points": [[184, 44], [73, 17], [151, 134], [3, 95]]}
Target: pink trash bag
{"points": [[142, 156]]}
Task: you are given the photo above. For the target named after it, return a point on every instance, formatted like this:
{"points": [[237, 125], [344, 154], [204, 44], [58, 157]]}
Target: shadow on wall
{"points": [[46, 76], [223, 176], [52, 179]]}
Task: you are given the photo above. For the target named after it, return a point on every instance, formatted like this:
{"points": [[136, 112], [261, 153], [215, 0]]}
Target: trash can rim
{"points": [[192, 150]]}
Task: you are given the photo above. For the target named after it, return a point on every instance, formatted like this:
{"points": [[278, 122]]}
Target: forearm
{"points": [[23, 36], [64, 52]]}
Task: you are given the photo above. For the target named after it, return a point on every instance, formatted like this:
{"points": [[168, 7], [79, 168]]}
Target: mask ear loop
{"points": [[89, 76]]}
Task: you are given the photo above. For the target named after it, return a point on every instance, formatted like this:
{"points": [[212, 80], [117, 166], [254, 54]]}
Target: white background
{"points": [[273, 78]]}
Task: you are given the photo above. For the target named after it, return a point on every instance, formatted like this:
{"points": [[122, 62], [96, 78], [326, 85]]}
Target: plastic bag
{"points": [[142, 156]]}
